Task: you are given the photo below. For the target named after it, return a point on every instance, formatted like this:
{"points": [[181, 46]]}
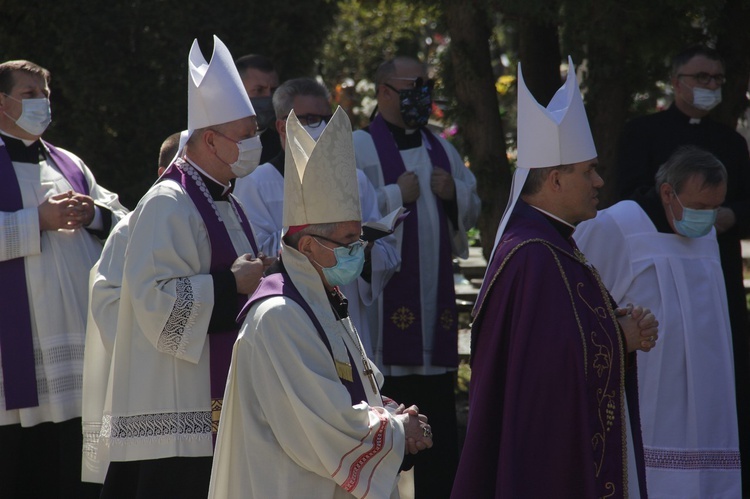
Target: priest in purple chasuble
{"points": [[54, 217], [190, 263], [303, 414], [553, 407]]}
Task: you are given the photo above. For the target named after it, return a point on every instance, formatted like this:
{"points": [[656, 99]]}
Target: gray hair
{"points": [[325, 230], [283, 98], [688, 161]]}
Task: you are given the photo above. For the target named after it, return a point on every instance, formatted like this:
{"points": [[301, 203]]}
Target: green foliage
{"points": [[366, 33], [119, 69]]}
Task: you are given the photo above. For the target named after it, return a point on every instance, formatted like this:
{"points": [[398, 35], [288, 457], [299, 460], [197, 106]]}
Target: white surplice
{"points": [[57, 267], [262, 195], [105, 282], [417, 160], [288, 427], [686, 383], [159, 401]]}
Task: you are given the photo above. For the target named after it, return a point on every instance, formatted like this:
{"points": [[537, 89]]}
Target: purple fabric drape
{"points": [[280, 284], [223, 255], [16, 343], [402, 307], [549, 368]]}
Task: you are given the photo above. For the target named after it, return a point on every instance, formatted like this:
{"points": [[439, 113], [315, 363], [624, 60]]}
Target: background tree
{"points": [[119, 68]]}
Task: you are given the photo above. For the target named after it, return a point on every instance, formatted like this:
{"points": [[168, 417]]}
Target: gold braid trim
{"points": [[552, 249]]}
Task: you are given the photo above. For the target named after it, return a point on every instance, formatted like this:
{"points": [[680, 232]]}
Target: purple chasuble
{"points": [[223, 256], [402, 306], [280, 284], [16, 343], [550, 375]]}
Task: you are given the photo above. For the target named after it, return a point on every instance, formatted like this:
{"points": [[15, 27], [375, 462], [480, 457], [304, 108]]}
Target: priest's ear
{"points": [[554, 179], [665, 193], [305, 245]]}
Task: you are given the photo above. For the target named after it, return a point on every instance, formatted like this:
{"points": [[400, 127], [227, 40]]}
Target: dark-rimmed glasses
{"points": [[705, 78], [314, 120], [351, 247]]}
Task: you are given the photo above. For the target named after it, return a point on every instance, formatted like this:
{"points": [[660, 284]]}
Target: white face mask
{"points": [[316, 132], [706, 99], [248, 158], [36, 115]]}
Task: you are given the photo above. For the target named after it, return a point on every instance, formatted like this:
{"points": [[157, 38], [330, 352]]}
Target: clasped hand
{"points": [[67, 210], [248, 270], [639, 326], [416, 430]]}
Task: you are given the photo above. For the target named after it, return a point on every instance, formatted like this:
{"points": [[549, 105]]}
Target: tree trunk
{"points": [[539, 53], [479, 119], [733, 40], [606, 93]]}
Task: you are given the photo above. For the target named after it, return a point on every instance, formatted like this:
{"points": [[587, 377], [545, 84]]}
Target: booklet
{"points": [[376, 229]]}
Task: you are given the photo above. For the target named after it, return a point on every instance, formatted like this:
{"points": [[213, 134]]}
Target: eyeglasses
{"points": [[351, 247], [705, 78], [314, 120], [417, 82]]}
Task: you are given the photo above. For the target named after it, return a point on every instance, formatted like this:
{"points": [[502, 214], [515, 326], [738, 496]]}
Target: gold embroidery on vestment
{"points": [[402, 318], [344, 371], [602, 361], [215, 414], [446, 319]]}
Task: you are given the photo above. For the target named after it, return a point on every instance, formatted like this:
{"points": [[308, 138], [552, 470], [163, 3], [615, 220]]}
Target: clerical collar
{"points": [[564, 228], [680, 116], [650, 202], [26, 142], [405, 138], [23, 151], [217, 190]]}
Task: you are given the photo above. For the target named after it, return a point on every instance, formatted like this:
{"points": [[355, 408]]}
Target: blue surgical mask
{"points": [[694, 223], [35, 115], [349, 263], [705, 98]]}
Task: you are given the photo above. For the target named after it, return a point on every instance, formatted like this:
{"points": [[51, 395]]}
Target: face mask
{"points": [[264, 112], [694, 223], [706, 99], [415, 105], [248, 158], [36, 115], [348, 267], [316, 132]]}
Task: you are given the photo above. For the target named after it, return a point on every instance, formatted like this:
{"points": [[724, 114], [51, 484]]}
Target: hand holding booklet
{"points": [[376, 229]]}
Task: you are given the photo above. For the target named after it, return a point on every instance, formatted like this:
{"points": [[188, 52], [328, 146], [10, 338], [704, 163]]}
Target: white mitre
{"points": [[556, 135], [320, 178], [215, 91]]}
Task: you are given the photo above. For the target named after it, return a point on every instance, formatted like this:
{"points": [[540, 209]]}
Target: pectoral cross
{"points": [[370, 374]]}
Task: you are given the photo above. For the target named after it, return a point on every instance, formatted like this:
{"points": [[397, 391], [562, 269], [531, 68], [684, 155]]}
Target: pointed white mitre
{"points": [[556, 135], [215, 91], [320, 178]]}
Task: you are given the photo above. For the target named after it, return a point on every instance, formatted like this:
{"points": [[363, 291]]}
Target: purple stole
{"points": [[402, 307], [223, 255], [16, 343], [280, 284]]}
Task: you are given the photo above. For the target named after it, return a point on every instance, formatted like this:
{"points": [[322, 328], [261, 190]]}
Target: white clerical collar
{"points": [[695, 121], [26, 142], [553, 216], [225, 186]]}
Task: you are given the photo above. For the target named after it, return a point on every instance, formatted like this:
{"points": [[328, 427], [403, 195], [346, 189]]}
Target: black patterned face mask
{"points": [[415, 103]]}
